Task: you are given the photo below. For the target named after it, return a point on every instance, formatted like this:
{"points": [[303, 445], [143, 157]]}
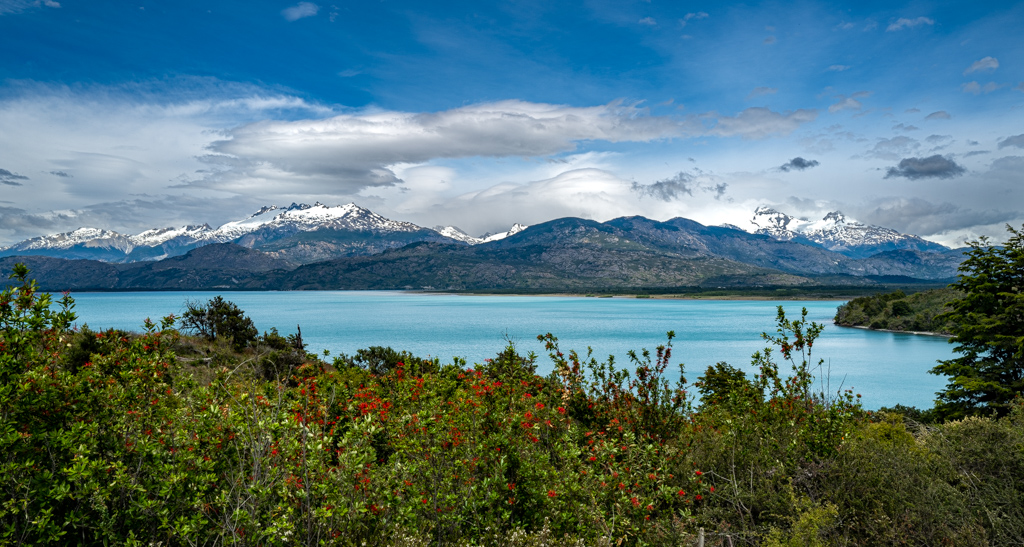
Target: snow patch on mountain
{"points": [[93, 237], [457, 234], [156, 243], [836, 232]]}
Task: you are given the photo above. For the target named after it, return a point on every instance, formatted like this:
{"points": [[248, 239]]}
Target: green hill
{"points": [[899, 312]]}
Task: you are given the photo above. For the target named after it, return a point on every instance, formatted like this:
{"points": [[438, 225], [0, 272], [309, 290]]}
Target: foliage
{"points": [[158, 438], [919, 312], [988, 330], [219, 318]]}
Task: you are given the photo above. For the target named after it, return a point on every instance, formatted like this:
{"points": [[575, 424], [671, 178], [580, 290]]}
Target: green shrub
{"points": [[219, 318]]}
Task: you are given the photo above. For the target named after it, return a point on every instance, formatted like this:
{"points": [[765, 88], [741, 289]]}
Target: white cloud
{"points": [[987, 63], [925, 218], [838, 68], [760, 123], [352, 151], [903, 22], [976, 89], [648, 21], [300, 10], [693, 15], [848, 103], [17, 6], [595, 194]]}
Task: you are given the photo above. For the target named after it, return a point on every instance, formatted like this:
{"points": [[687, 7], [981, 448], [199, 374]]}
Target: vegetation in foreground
{"points": [[231, 437]]}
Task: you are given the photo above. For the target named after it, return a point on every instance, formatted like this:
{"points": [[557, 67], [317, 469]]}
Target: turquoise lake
{"points": [[885, 368]]}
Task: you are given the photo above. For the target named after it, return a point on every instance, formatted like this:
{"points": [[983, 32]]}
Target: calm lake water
{"points": [[886, 368]]}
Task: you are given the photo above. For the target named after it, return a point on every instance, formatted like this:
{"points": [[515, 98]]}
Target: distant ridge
{"points": [[343, 230], [568, 254]]}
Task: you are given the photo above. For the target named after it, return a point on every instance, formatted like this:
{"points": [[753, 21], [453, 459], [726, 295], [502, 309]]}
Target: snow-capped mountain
{"points": [[457, 234], [302, 217], [344, 230], [837, 233], [92, 237]]}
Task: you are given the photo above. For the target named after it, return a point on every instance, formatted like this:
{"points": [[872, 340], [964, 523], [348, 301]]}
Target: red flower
{"points": [[682, 492], [698, 497], [634, 501], [698, 473], [593, 458], [551, 493], [539, 406], [561, 410], [712, 488]]}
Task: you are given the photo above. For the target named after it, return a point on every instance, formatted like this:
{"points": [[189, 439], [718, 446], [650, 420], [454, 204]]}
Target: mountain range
{"points": [[299, 233], [348, 247]]}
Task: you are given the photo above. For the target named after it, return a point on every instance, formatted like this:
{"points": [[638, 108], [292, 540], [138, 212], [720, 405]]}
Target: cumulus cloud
{"points": [[903, 23], [1015, 140], [931, 167], [126, 139], [352, 151], [924, 218], [648, 21], [798, 164], [848, 103], [668, 189], [976, 89], [1006, 170], [939, 115], [903, 127], [760, 122], [61, 174], [673, 188], [694, 16], [300, 10], [585, 193], [11, 179], [986, 63]]}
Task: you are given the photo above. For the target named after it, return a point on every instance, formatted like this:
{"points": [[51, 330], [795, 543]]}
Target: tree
{"points": [[219, 318], [987, 324]]}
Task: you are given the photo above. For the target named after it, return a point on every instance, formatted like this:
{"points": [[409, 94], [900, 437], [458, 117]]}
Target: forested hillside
{"points": [[918, 312]]}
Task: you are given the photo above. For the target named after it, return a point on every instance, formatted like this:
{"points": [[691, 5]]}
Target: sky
{"points": [[134, 115]]}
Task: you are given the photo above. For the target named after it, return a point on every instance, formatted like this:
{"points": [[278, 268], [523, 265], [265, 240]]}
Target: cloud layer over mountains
{"points": [[192, 113]]}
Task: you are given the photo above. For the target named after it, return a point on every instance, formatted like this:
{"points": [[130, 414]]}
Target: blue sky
{"points": [[130, 115]]}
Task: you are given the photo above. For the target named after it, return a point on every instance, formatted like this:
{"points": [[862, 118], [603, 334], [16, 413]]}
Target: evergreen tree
{"points": [[987, 324]]}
